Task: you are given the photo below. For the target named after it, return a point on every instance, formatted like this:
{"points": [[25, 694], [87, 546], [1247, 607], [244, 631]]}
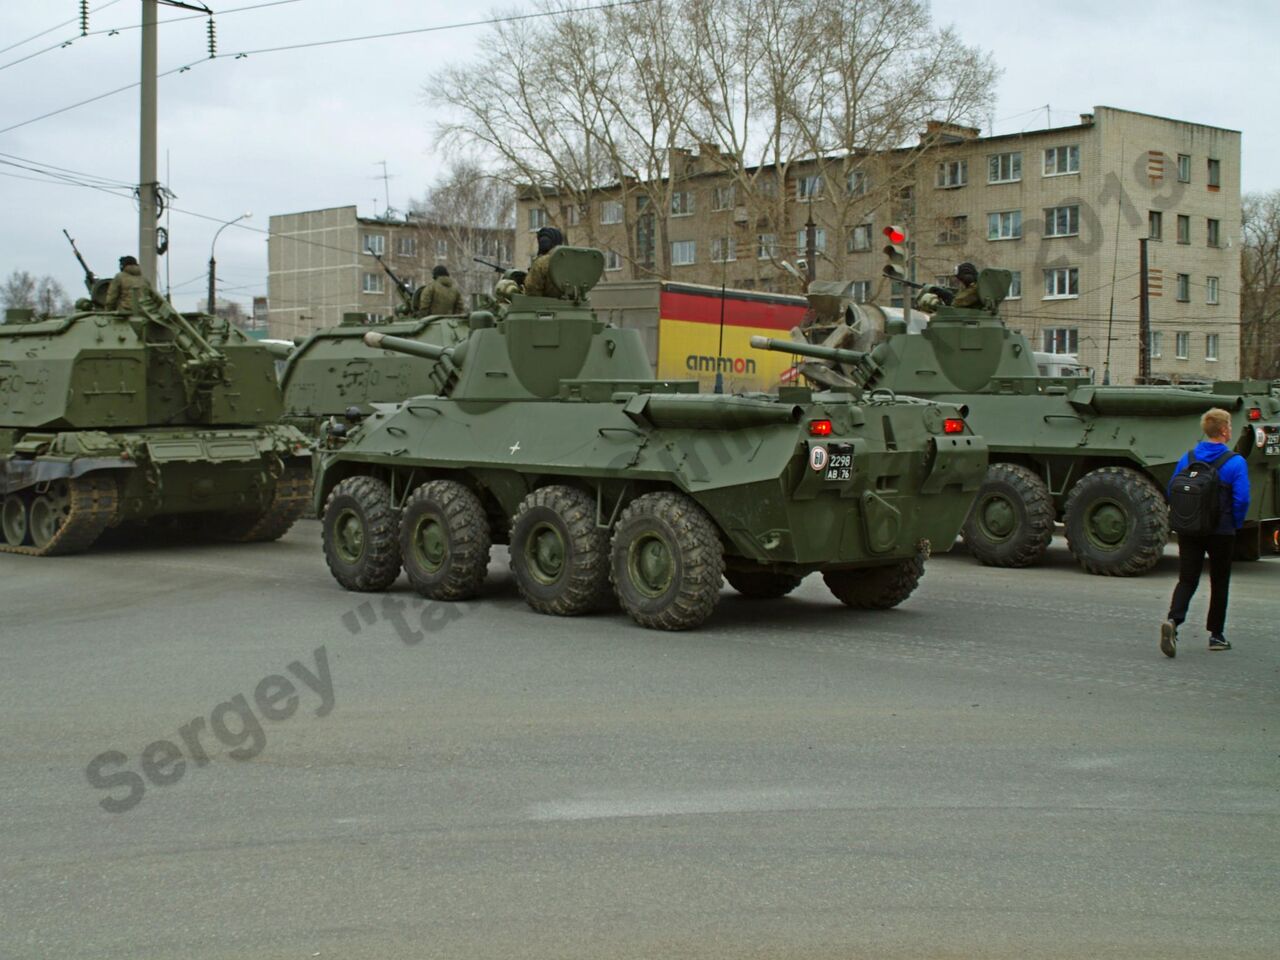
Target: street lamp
{"points": [[213, 264]]}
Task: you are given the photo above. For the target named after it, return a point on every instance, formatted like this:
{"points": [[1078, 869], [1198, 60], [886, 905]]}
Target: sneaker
{"points": [[1218, 642], [1169, 638]]}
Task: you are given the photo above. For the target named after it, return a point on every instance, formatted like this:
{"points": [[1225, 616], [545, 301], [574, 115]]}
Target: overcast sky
{"points": [[303, 129]]}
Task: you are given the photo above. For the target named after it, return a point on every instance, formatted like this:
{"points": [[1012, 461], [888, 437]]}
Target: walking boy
{"points": [[1217, 528]]}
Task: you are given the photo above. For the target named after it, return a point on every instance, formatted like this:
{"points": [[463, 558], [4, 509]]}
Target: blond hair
{"points": [[1215, 422]]}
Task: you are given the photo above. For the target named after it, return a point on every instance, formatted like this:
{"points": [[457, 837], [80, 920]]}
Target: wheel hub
{"points": [[48, 513], [430, 544], [13, 518], [1108, 524], [545, 553], [651, 565], [997, 518], [349, 536]]}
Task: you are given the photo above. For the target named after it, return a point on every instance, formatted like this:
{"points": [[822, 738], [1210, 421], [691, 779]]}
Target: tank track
{"points": [[291, 501], [94, 501]]}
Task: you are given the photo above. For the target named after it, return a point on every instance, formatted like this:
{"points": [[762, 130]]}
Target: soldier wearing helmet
{"points": [[127, 287], [967, 295], [538, 282]]}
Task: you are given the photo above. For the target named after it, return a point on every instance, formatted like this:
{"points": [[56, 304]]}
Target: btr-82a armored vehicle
{"points": [[546, 431], [1096, 458], [110, 417]]}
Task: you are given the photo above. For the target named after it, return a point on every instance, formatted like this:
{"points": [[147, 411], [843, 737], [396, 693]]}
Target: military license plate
{"points": [[1268, 439], [839, 462]]}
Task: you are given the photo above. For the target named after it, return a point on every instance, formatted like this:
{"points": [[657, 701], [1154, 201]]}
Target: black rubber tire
{"points": [[1024, 504], [672, 524], [1117, 522], [878, 588], [459, 570], [559, 556], [762, 584], [362, 505]]}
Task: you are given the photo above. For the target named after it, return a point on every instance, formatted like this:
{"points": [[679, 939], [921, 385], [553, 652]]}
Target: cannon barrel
{"points": [[414, 348], [281, 351], [1151, 401], [803, 349]]}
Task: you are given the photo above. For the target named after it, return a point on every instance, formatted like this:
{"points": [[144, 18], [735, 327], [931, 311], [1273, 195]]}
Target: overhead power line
{"points": [[56, 26]]}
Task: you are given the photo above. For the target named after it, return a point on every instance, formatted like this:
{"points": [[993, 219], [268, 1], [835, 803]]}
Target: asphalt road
{"points": [[1005, 766]]}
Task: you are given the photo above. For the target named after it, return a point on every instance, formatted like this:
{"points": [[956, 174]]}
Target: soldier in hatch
{"points": [[538, 282], [127, 287], [441, 297], [967, 295]]}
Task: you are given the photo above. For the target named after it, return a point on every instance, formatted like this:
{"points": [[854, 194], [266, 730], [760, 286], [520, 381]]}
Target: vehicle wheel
{"points": [[666, 562], [49, 511], [878, 588], [15, 519], [559, 556], [1117, 522], [1011, 522], [290, 499], [762, 584], [358, 529], [445, 539]]}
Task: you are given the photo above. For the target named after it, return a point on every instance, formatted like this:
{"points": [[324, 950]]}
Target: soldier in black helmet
{"points": [[538, 282], [127, 286], [441, 297], [967, 295]]}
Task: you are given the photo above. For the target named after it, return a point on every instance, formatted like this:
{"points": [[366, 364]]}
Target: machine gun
{"points": [[406, 292], [89, 278], [491, 265]]}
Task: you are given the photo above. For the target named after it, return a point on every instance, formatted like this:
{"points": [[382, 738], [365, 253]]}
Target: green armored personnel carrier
{"points": [[111, 417], [545, 431], [1096, 458]]}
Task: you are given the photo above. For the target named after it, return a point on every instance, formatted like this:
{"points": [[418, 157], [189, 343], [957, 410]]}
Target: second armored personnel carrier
{"points": [[545, 430], [108, 417], [1096, 458]]}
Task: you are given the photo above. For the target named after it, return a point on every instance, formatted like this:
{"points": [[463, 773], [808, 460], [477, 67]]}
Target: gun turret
{"points": [[406, 292], [838, 368], [817, 352]]}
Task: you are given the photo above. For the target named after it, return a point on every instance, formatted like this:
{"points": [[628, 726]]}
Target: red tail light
{"points": [[1255, 413], [819, 428], [953, 425]]}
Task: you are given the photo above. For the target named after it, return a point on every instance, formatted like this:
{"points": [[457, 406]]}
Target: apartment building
{"points": [[321, 264], [1063, 208]]}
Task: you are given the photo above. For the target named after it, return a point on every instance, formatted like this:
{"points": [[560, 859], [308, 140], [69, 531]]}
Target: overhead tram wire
{"points": [[239, 55]]}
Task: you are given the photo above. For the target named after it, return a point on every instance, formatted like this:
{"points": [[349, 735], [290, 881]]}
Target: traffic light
{"points": [[896, 251]]}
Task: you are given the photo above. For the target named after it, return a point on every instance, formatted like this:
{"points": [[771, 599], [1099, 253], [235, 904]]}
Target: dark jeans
{"points": [[1191, 551]]}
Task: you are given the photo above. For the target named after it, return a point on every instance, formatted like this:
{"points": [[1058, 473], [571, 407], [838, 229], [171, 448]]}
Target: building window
{"points": [[407, 246], [1062, 221], [859, 239], [953, 173], [1156, 345], [1061, 282], [722, 198], [1182, 346], [819, 241], [1155, 225], [372, 283], [1015, 285], [766, 246], [1184, 228], [857, 183], [723, 249], [954, 230], [572, 216], [1184, 168], [442, 249], [375, 243], [537, 218], [861, 291], [373, 318], [1211, 290], [612, 260], [1211, 346], [682, 203], [1061, 160], [1004, 167], [611, 211], [683, 252], [1061, 340], [1215, 174], [904, 207], [1184, 287], [1006, 225], [808, 188], [1213, 232]]}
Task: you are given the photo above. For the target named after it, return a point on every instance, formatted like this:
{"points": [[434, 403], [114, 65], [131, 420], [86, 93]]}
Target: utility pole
{"points": [[147, 185], [1144, 314]]}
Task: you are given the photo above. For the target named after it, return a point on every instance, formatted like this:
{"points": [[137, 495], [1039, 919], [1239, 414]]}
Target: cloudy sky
{"points": [[277, 132]]}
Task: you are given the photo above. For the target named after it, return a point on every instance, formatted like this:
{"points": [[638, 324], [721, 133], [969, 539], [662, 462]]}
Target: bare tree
{"points": [[474, 212], [1260, 286], [19, 291], [51, 297]]}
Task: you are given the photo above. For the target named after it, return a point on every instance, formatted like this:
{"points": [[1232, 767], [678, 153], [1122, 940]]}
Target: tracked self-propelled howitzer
{"points": [[545, 430], [111, 417], [1096, 458]]}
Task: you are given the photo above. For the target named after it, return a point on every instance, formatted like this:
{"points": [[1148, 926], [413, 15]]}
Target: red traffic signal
{"points": [[895, 234], [896, 251]]}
